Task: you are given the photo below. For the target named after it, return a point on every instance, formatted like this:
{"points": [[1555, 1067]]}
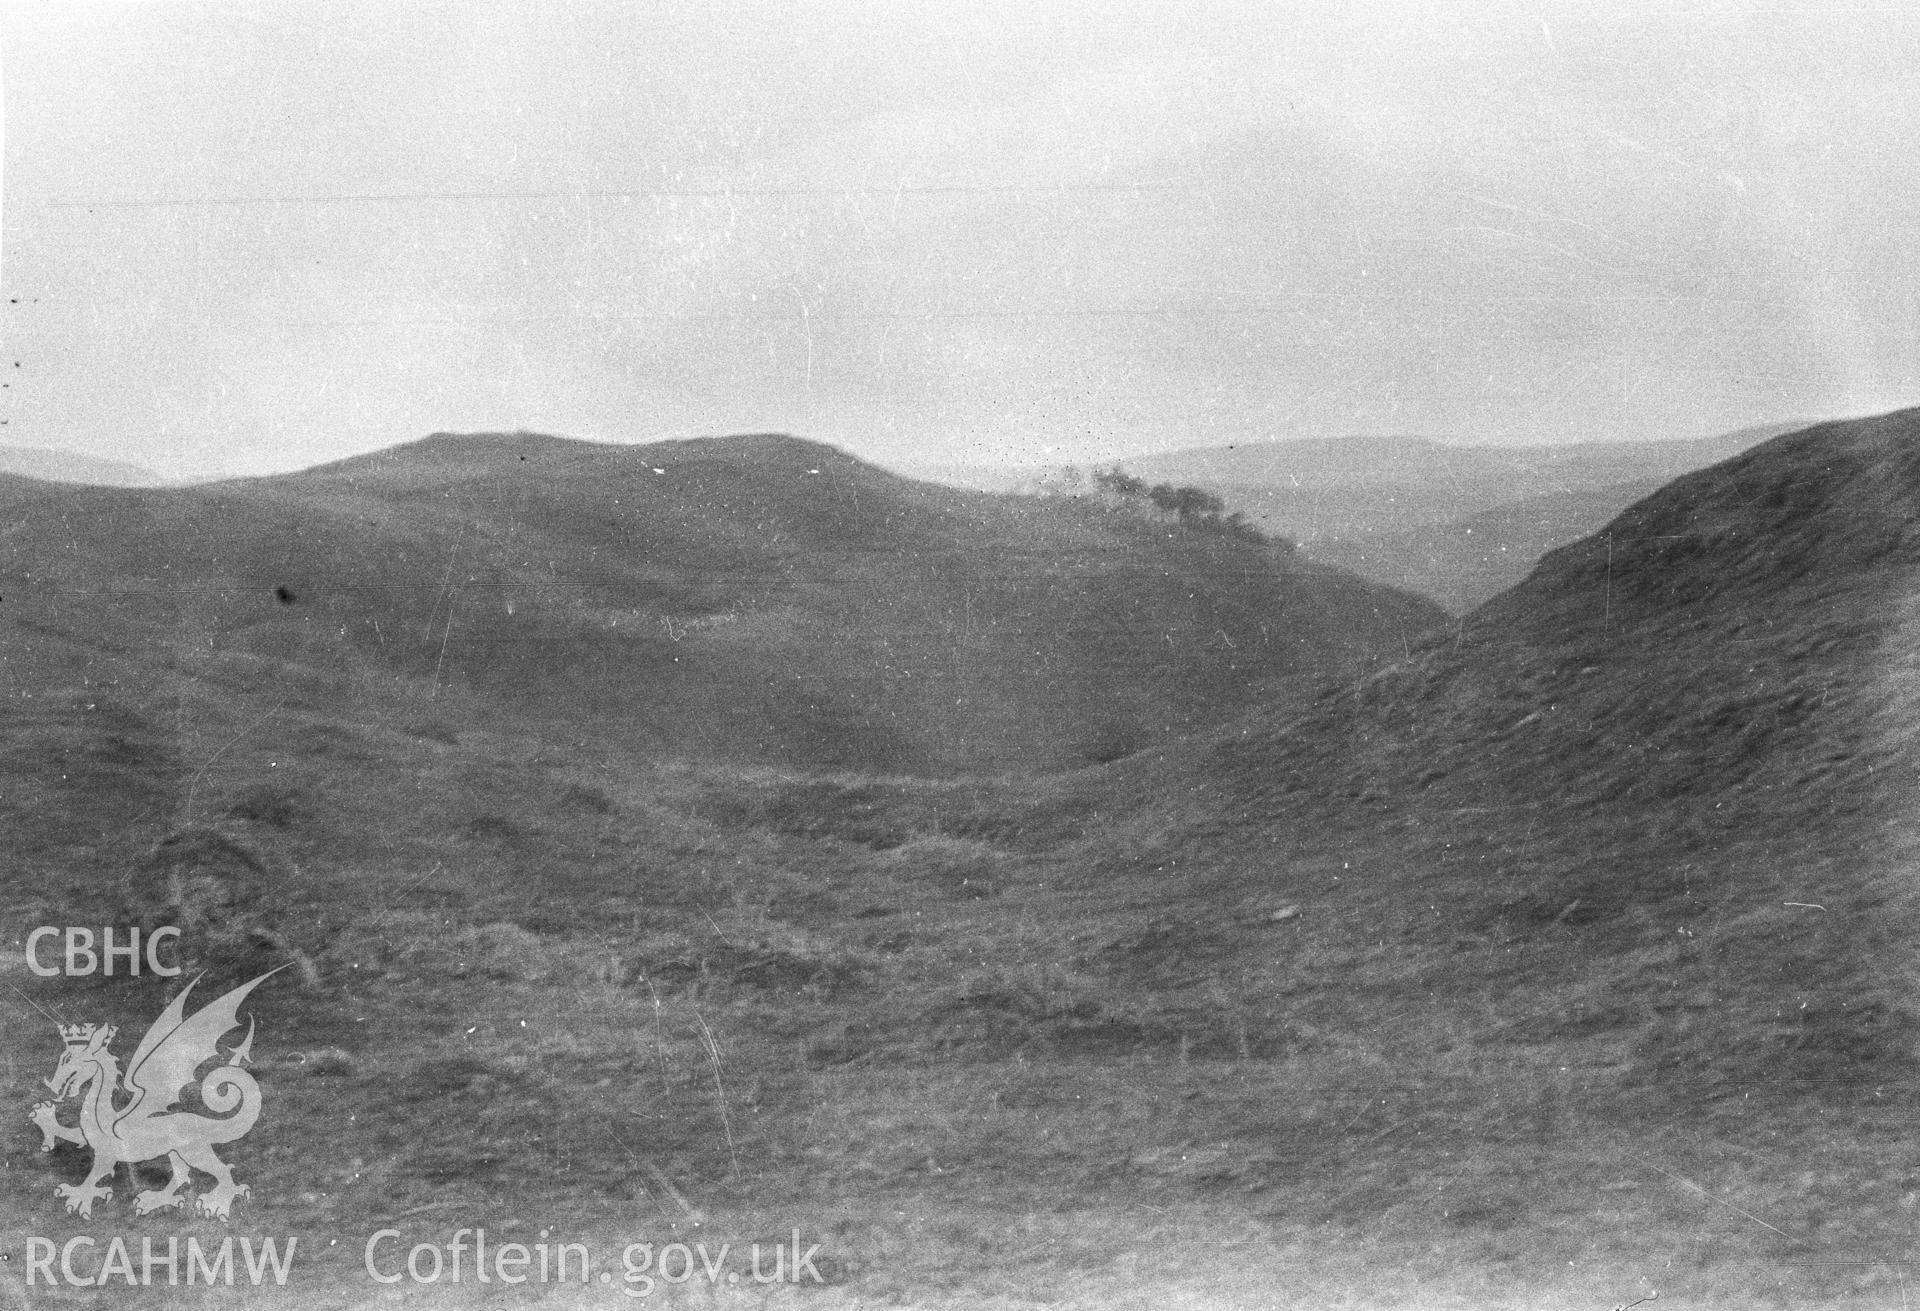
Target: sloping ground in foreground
{"points": [[1561, 962], [1604, 897]]}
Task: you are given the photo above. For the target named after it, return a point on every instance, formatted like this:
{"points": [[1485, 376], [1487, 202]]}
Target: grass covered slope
{"points": [[1658, 755], [1561, 961], [1580, 939], [755, 598]]}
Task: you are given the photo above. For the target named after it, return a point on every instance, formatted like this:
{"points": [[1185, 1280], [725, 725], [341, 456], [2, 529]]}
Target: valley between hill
{"points": [[1558, 957], [1457, 523]]}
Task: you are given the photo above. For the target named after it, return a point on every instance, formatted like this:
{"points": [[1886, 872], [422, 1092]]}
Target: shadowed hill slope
{"points": [[1659, 792], [754, 598]]}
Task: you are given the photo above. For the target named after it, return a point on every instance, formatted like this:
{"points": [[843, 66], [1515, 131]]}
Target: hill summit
{"points": [[756, 598]]}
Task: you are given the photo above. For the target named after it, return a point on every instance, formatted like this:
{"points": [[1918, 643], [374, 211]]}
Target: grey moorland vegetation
{"points": [[1550, 957]]}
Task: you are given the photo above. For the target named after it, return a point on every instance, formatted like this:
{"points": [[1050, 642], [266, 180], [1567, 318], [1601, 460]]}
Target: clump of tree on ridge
{"points": [[1193, 507]]}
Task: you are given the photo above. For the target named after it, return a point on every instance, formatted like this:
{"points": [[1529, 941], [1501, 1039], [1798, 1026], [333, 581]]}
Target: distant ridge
{"points": [[1456, 523], [1339, 488], [53, 465], [1463, 562]]}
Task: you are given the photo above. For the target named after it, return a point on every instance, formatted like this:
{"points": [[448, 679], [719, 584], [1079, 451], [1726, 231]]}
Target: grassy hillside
{"points": [[754, 598], [1630, 845], [1686, 712], [1559, 962]]}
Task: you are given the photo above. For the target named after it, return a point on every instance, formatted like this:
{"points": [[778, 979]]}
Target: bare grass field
{"points": [[1555, 963]]}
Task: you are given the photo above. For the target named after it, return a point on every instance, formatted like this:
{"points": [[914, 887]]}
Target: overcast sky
{"points": [[250, 237]]}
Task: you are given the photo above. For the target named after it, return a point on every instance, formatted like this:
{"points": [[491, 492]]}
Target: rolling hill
{"points": [[1639, 826], [753, 599], [1561, 959], [60, 466], [1696, 712], [1577, 940]]}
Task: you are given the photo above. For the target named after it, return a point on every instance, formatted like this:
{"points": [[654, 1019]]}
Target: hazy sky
{"points": [[241, 237]]}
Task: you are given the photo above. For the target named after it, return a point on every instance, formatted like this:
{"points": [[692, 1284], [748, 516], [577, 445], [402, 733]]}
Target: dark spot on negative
{"points": [[283, 595]]}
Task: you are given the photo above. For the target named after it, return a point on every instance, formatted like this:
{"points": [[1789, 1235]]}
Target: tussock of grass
{"points": [[779, 960], [963, 867]]}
